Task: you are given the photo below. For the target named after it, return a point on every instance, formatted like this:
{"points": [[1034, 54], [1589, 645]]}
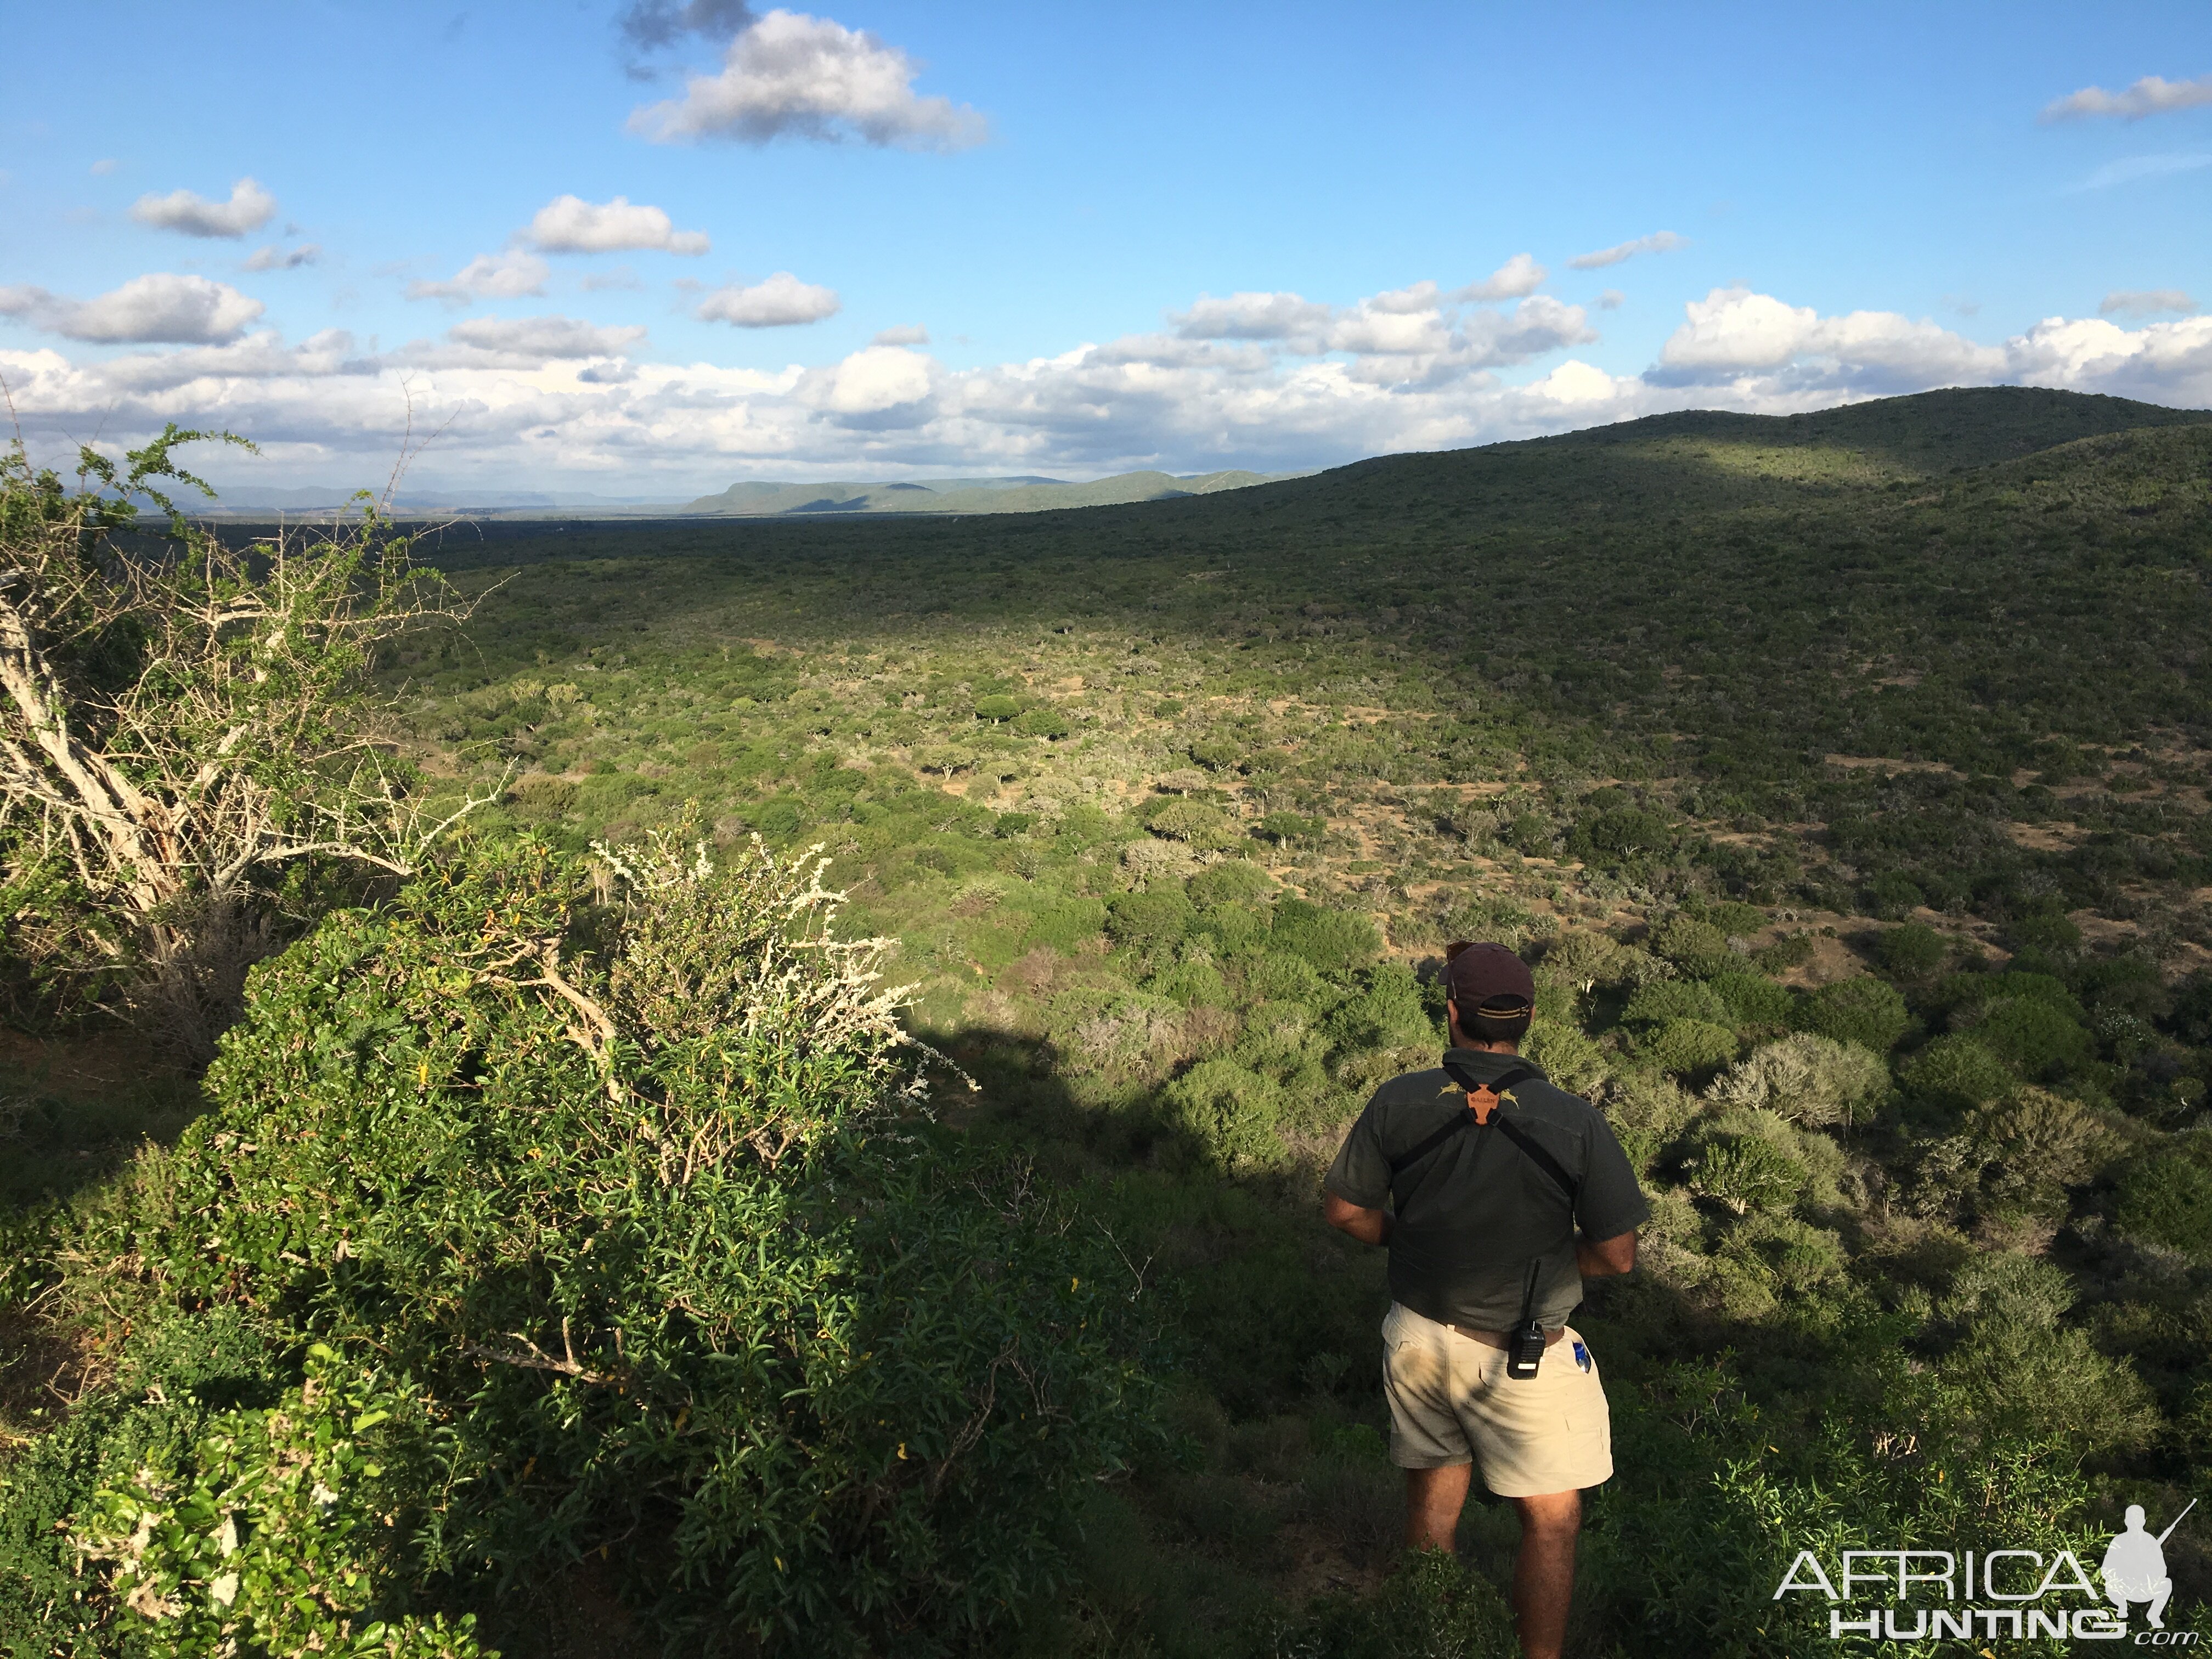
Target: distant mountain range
{"points": [[1014, 495], [1024, 493], [324, 498]]}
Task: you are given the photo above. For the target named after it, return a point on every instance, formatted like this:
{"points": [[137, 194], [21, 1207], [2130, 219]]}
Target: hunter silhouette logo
{"points": [[2015, 1594], [2135, 1566]]}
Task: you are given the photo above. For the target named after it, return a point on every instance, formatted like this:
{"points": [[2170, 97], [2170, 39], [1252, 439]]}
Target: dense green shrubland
{"points": [[1844, 777], [640, 1198]]}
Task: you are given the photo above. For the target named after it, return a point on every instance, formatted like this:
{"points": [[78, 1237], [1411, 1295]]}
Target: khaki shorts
{"points": [[1452, 1402]]}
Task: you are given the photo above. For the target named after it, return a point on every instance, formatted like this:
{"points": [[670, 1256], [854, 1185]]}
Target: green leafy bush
{"points": [[1755, 1003], [2016, 1157], [1194, 982], [1066, 925], [997, 709], [1686, 1045], [175, 1373], [1274, 978], [1230, 1110], [1893, 897], [1957, 1072], [1386, 1013], [1911, 951], [285, 1530], [1487, 917], [1334, 941], [541, 795], [1746, 1172], [1864, 1010], [1676, 999], [1151, 921], [1567, 1055], [1785, 1257], [1619, 832], [1231, 882], [2045, 932], [644, 1200], [1954, 991], [2021, 1375], [1205, 827], [1431, 1605], [1530, 833], [1697, 948], [2166, 1198], [1218, 754], [1233, 927], [1736, 921], [1286, 827], [2004, 1285], [2032, 1037]]}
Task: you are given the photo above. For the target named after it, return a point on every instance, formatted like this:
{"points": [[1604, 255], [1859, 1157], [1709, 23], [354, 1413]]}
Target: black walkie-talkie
{"points": [[1526, 1351]]}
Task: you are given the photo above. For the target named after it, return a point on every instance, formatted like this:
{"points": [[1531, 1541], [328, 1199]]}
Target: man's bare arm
{"points": [[1368, 1226], [1602, 1258]]}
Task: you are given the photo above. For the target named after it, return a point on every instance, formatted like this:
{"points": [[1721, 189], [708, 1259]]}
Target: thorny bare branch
{"points": [[1135, 1271], [181, 718], [535, 1359]]}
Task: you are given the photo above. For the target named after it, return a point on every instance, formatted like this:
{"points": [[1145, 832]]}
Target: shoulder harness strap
{"points": [[1430, 1142]]}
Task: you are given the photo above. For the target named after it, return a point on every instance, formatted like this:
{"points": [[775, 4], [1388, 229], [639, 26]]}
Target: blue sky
{"points": [[1847, 203]]}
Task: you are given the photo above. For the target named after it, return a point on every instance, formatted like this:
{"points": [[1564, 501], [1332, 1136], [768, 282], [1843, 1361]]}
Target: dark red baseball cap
{"points": [[1488, 977]]}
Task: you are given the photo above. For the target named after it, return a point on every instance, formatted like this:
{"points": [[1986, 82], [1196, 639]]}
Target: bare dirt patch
{"points": [[1832, 960], [77, 1067], [1873, 763]]}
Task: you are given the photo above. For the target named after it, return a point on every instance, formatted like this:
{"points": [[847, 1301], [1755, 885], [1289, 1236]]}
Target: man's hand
{"points": [[1606, 1256], [1368, 1226]]}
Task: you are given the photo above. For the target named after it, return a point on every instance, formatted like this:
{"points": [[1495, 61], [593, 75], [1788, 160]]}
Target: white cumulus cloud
{"points": [[1733, 332], [649, 25], [261, 355], [1659, 241], [1250, 317], [487, 276], [874, 382], [1536, 325], [556, 401], [189, 214], [793, 76], [779, 302], [279, 258], [541, 338], [159, 308], [902, 334], [2152, 96], [1518, 275], [570, 224], [2128, 168], [2144, 302]]}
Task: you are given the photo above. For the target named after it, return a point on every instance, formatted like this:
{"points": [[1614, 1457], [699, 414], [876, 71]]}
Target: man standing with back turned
{"points": [[1504, 1194]]}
